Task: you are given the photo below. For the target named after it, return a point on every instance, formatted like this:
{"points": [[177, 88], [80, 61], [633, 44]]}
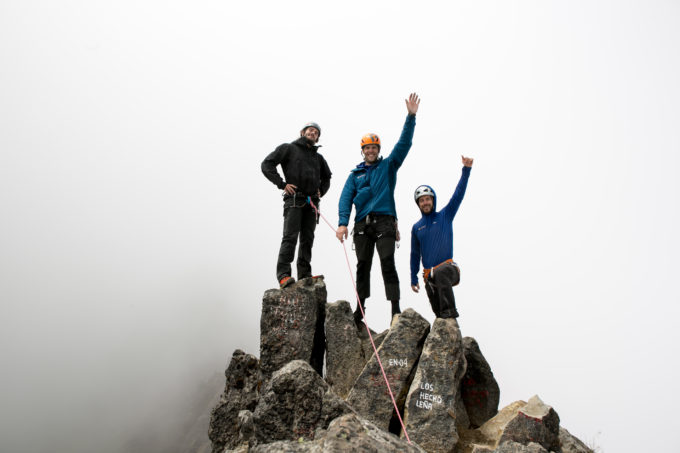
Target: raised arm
{"points": [[403, 146], [454, 203]]}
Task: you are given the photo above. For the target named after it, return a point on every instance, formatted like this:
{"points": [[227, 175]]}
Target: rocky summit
{"points": [[319, 387]]}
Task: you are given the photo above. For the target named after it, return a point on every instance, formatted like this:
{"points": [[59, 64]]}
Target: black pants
{"points": [[376, 232], [439, 288], [299, 219]]}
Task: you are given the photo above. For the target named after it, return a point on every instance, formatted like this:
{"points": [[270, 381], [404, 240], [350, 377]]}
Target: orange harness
{"points": [[427, 272]]}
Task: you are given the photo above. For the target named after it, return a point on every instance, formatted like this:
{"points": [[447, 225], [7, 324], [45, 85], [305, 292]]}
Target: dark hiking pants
{"points": [[439, 288], [299, 219], [371, 233]]}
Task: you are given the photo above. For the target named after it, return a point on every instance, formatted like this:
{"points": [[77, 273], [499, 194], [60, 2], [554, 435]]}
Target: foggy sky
{"points": [[138, 233]]}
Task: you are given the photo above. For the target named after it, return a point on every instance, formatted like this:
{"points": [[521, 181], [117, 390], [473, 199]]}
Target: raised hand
{"points": [[412, 104], [467, 161]]}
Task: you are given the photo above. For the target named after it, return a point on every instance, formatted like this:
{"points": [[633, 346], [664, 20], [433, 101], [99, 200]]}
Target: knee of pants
{"points": [[289, 238], [389, 270], [387, 262], [364, 266]]}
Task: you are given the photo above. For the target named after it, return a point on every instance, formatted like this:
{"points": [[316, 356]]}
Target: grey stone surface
{"points": [[294, 404], [535, 422], [240, 393], [514, 447], [240, 449], [349, 433], [480, 449], [282, 446], [291, 326], [399, 353], [246, 427], [345, 356], [462, 419], [486, 438], [571, 444], [479, 389], [430, 411]]}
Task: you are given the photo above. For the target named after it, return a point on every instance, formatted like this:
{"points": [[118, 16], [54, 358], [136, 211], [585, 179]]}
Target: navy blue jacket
{"points": [[371, 187], [432, 235]]}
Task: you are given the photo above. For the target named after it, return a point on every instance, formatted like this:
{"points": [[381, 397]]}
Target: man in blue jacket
{"points": [[432, 239], [370, 187]]}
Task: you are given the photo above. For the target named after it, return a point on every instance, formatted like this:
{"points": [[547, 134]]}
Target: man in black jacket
{"points": [[306, 174]]}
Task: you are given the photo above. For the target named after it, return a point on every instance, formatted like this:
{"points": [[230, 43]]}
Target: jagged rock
{"points": [[535, 422], [349, 433], [282, 446], [240, 393], [480, 392], [355, 434], [462, 419], [345, 355], [514, 447], [240, 449], [399, 354], [430, 412], [291, 326], [519, 422], [570, 444], [246, 427], [347, 348], [294, 404]]}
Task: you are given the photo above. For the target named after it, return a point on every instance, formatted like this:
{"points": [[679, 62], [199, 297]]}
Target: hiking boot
{"points": [[286, 281]]}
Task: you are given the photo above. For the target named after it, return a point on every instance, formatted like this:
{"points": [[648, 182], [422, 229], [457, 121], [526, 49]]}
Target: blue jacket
{"points": [[371, 187], [432, 235]]}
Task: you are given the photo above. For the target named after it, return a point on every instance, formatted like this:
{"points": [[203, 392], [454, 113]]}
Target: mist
{"points": [[137, 233]]}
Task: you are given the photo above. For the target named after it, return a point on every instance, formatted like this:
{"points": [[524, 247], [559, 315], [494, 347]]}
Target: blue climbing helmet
{"points": [[425, 190]]}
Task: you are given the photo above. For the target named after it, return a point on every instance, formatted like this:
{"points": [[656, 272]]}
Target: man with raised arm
{"points": [[370, 188], [432, 239]]}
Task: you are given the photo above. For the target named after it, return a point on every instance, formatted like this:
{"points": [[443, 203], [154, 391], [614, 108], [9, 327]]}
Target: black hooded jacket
{"points": [[302, 166]]}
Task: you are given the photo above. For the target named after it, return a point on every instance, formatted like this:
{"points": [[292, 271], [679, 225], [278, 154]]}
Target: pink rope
{"points": [[356, 293]]}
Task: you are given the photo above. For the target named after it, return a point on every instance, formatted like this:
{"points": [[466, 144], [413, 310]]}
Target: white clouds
{"points": [[135, 214]]}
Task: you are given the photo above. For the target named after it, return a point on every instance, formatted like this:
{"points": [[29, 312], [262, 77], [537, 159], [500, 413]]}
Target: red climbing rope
{"points": [[356, 293]]}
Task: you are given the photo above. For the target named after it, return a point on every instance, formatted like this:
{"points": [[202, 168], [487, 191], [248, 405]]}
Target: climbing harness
{"points": [[356, 293], [428, 272]]}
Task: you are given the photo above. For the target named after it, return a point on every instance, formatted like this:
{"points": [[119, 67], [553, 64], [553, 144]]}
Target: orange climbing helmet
{"points": [[370, 139]]}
